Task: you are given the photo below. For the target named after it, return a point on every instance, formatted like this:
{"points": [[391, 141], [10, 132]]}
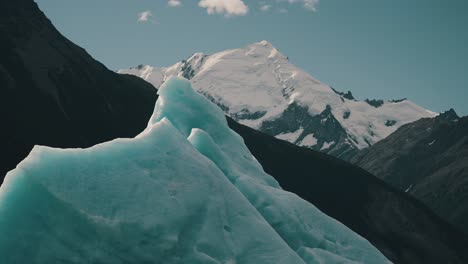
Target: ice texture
{"points": [[186, 190]]}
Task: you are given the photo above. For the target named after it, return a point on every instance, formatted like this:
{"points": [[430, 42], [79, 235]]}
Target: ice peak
{"points": [[266, 49], [265, 43]]}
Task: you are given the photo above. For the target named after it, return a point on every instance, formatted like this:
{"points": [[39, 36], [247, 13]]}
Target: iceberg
{"points": [[185, 190]]}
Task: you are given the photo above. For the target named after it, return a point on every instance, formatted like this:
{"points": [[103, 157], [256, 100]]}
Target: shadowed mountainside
{"points": [[53, 93], [401, 227], [429, 160]]}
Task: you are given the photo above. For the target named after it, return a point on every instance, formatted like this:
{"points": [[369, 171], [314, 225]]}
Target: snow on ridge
{"points": [[258, 76], [264, 43], [327, 145], [291, 136], [308, 141], [374, 122]]}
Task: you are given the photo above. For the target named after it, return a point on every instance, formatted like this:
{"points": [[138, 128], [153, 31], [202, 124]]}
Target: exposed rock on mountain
{"points": [[429, 160]]}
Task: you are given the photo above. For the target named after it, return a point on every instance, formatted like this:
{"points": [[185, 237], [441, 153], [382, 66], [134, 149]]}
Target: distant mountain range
{"points": [[429, 160], [258, 87]]}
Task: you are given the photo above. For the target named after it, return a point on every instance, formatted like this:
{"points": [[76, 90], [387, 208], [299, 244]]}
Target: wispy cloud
{"points": [[226, 7], [145, 16], [174, 3], [236, 7], [308, 4], [265, 8]]}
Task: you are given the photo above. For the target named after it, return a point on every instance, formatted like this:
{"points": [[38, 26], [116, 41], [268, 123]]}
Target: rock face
{"points": [[429, 160], [258, 87], [401, 227], [53, 93]]}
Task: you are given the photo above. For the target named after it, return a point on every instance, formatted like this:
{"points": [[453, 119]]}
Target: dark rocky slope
{"points": [[429, 160], [401, 227], [53, 93]]}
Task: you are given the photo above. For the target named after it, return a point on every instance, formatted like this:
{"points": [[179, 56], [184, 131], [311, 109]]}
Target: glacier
{"points": [[185, 190]]}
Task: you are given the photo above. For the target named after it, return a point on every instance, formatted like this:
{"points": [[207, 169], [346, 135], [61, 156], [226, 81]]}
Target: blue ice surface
{"points": [[186, 190]]}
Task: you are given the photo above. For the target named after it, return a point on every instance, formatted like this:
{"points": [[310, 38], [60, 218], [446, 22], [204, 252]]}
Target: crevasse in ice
{"points": [[186, 190]]}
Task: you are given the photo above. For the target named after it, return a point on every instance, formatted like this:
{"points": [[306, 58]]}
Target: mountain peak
{"points": [[449, 115], [265, 49], [256, 85], [264, 43]]}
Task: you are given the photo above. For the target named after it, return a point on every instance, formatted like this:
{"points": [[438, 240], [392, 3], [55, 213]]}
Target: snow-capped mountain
{"points": [[260, 88], [69, 100]]}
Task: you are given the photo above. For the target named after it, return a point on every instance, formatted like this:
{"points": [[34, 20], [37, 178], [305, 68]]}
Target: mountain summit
{"points": [[258, 87]]}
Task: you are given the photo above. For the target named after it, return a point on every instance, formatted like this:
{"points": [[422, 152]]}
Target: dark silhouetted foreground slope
{"points": [[429, 160], [53, 93], [403, 228]]}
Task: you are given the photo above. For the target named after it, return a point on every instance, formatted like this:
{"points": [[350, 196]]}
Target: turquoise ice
{"points": [[186, 190]]}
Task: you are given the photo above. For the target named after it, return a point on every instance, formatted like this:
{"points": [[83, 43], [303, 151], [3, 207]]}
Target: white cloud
{"points": [[174, 3], [145, 16], [308, 4], [265, 8], [226, 7]]}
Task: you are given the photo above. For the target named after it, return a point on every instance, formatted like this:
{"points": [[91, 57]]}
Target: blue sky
{"points": [[385, 49]]}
